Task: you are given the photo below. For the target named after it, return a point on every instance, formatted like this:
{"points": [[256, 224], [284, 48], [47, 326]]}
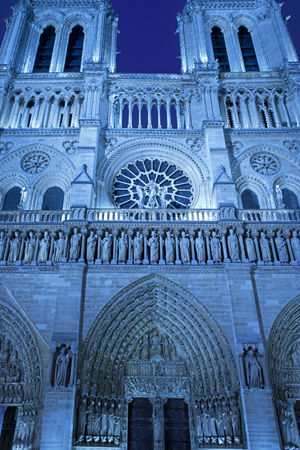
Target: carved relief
{"points": [[195, 144], [292, 146], [70, 147], [35, 162], [11, 373], [5, 147]]}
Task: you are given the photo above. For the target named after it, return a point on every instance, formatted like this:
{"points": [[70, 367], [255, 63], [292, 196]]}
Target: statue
{"points": [[97, 420], [106, 248], [59, 247], [23, 198], [82, 419], [158, 421], [250, 248], [155, 345], [75, 245], [233, 246], [253, 370], [90, 420], [14, 251], [2, 245], [199, 425], [184, 248], [279, 197], [91, 247], [215, 248], [152, 194], [163, 201], [146, 348], [220, 422], [295, 243], [61, 366], [122, 246], [138, 349], [170, 248], [104, 422], [44, 247], [173, 350], [138, 248], [141, 197], [200, 247], [206, 423], [235, 421], [111, 422], [117, 428], [29, 248], [287, 428], [165, 347], [281, 248], [153, 244], [265, 248], [213, 422], [227, 422]]}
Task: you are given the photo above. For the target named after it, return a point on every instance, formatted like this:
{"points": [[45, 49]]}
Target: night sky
{"points": [[147, 41]]}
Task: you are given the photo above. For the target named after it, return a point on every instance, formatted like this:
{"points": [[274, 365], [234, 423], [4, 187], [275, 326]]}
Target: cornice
{"points": [[40, 132], [123, 132], [262, 131]]}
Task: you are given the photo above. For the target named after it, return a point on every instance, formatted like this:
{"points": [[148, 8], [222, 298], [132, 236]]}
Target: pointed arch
{"points": [[154, 301]]}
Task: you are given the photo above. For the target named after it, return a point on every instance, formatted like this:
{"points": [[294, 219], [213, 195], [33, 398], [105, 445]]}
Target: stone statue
{"points": [[152, 194], [90, 419], [61, 367], [220, 422], [104, 422], [165, 347], [215, 248], [122, 246], [295, 243], [213, 422], [227, 422], [146, 348], [138, 248], [235, 421], [14, 251], [185, 248], [75, 245], [97, 420], [281, 248], [206, 423], [82, 419], [279, 196], [91, 247], [199, 425], [250, 248], [156, 348], [141, 197], [253, 370], [117, 429], [163, 201], [233, 246], [106, 248], [23, 198], [287, 429], [138, 349], [265, 248], [59, 247], [111, 422], [200, 247], [173, 350], [2, 245], [44, 248], [153, 244], [29, 248], [158, 421], [170, 248]]}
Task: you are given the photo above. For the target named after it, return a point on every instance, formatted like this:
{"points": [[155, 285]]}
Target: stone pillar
{"points": [[65, 255], [145, 234], [149, 101], [19, 262], [194, 260], [161, 247], [99, 260], [52, 235], [178, 260], [130, 255], [115, 251], [224, 245], [207, 235], [240, 233], [83, 245]]}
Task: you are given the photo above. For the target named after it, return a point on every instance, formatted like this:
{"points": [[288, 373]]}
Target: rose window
{"points": [[151, 184], [265, 163], [35, 162]]}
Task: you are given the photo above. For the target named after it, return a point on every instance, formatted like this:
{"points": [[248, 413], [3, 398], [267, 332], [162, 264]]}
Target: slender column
{"points": [[129, 113], [287, 237], [140, 114], [194, 260], [130, 255], [284, 109], [44, 112], [98, 260], [19, 262], [96, 103], [178, 261], [277, 120], [236, 114], [255, 235], [53, 109], [52, 235], [4, 261], [65, 113], [161, 247], [254, 113], [121, 112], [207, 235], [297, 102], [240, 233], [13, 112], [169, 126], [215, 103], [145, 234], [224, 245], [83, 246], [75, 117], [244, 110], [114, 260], [276, 262], [204, 102], [5, 111], [158, 113], [178, 113], [149, 112], [65, 256], [92, 101], [35, 113]]}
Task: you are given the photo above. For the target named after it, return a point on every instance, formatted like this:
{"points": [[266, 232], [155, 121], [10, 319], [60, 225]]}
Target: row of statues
{"points": [[99, 420], [10, 373], [156, 346], [211, 247], [218, 421], [11, 393], [289, 432], [25, 428]]}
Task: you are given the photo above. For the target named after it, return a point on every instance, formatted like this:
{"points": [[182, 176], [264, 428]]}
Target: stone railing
{"points": [[148, 215]]}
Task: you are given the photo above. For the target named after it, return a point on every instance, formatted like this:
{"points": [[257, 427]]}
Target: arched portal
{"points": [[155, 340]]}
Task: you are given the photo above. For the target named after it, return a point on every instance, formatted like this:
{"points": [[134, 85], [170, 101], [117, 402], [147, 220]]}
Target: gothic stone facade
{"points": [[149, 271]]}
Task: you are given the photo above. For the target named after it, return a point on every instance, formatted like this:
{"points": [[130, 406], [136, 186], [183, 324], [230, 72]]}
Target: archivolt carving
{"points": [[144, 305], [47, 18]]}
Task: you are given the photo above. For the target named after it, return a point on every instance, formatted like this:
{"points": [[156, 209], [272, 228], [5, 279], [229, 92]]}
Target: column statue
{"points": [[265, 248], [91, 247], [170, 248], [185, 248], [122, 247], [233, 245], [59, 247], [75, 245], [2, 245], [153, 244], [138, 248], [215, 248], [200, 247], [250, 248], [29, 248], [281, 248], [14, 251], [106, 248], [44, 248], [295, 243]]}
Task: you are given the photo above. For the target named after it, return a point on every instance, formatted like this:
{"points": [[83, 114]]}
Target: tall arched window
{"points": [[219, 47], [75, 50], [249, 199], [53, 199], [289, 199], [12, 199], [45, 50], [248, 51]]}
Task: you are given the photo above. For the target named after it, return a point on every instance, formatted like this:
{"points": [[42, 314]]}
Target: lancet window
{"points": [[12, 199], [45, 50], [248, 51], [219, 48], [75, 50], [53, 199], [249, 199]]}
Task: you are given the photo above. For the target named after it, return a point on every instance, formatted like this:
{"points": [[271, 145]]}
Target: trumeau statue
{"points": [[106, 248], [138, 248], [170, 248], [59, 247], [15, 245], [2, 245], [200, 247], [250, 248], [265, 248], [153, 245], [185, 248], [91, 247], [253, 368], [215, 248], [29, 248], [44, 248], [158, 421], [122, 247], [281, 248], [295, 243], [75, 245], [233, 245]]}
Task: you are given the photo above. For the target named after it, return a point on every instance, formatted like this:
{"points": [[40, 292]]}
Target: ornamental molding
{"points": [[38, 133], [46, 180], [5, 147], [13, 178], [150, 302], [263, 132]]}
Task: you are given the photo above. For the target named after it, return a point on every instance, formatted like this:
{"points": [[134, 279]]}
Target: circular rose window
{"points": [[152, 183]]}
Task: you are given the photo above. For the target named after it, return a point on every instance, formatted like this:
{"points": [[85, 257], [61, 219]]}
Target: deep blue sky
{"points": [[147, 41]]}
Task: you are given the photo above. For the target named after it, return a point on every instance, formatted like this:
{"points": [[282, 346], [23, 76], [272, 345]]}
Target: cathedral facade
{"points": [[149, 233]]}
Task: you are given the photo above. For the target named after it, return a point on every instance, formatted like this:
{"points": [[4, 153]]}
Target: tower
{"points": [[149, 233]]}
